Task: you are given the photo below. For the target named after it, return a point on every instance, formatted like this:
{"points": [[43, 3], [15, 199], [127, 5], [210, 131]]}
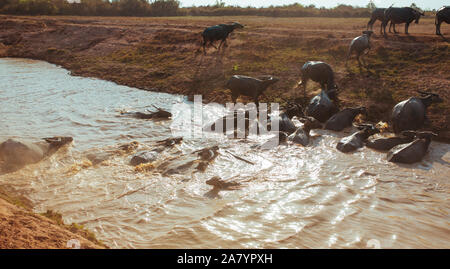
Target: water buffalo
{"points": [[293, 109], [411, 152], [249, 86], [235, 116], [321, 107], [361, 46], [301, 135], [218, 32], [285, 123], [442, 15], [319, 72], [15, 154], [357, 139], [397, 15], [378, 14], [411, 114], [386, 143], [344, 118], [160, 114]]}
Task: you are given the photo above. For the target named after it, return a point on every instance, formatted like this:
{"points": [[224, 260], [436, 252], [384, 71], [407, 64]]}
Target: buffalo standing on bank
{"points": [[360, 46], [319, 72], [218, 32], [398, 15], [249, 86], [442, 15]]}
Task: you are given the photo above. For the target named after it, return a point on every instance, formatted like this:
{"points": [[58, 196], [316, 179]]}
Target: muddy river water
{"points": [[290, 196]]}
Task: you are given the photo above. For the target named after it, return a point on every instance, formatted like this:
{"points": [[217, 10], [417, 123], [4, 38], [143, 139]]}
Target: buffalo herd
{"points": [[408, 145]]}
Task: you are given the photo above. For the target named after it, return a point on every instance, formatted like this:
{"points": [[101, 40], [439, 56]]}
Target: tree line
{"points": [[170, 8]]}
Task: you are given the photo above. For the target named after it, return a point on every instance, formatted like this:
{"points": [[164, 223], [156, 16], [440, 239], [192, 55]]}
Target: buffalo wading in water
{"points": [[160, 114], [410, 114], [357, 139], [238, 130], [361, 46], [442, 15], [386, 143], [321, 107], [301, 135], [319, 72], [398, 15], [15, 154], [285, 123], [344, 118], [218, 32], [249, 86], [412, 152]]}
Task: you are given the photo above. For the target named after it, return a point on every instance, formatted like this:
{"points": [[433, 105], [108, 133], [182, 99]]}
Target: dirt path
{"points": [[161, 54]]}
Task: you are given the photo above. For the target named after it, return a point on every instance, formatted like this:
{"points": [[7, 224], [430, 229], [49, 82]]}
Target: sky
{"points": [[423, 4]]}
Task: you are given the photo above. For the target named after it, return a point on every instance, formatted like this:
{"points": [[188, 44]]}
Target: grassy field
{"points": [[162, 54]]}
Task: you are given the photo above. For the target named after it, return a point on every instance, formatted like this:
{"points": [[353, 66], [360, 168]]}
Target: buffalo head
{"points": [[237, 25], [417, 15], [435, 98], [369, 33]]}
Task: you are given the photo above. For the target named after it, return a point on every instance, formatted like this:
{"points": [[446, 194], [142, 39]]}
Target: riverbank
{"points": [[20, 228], [161, 54]]}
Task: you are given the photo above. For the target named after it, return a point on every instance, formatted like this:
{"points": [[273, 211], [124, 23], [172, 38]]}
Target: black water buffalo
{"points": [[301, 135], [357, 139], [442, 15], [386, 143], [344, 118], [218, 32], [248, 86], [378, 14], [397, 15], [412, 152], [285, 123], [235, 117], [410, 114], [319, 72], [321, 107]]}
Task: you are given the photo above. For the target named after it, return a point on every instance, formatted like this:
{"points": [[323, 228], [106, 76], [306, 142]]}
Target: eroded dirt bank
{"points": [[161, 54], [20, 228]]}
